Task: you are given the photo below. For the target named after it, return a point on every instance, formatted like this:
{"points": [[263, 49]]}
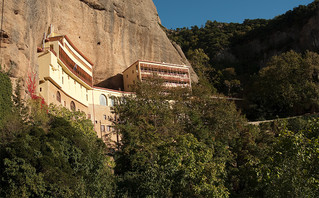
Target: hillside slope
{"points": [[245, 48]]}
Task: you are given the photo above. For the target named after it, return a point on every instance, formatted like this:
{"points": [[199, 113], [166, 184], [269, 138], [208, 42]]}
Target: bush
{"points": [[5, 97], [62, 161]]}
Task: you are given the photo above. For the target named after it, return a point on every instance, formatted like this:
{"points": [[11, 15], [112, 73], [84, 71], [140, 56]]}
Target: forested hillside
{"points": [[175, 143], [230, 55]]}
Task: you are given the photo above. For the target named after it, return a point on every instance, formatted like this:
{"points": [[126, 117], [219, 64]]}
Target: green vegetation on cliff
{"points": [[221, 41], [5, 97], [230, 56], [287, 86]]}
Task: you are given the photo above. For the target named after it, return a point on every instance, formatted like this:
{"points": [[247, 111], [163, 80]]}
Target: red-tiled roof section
{"points": [[67, 38], [56, 38], [113, 90], [78, 71], [59, 38]]}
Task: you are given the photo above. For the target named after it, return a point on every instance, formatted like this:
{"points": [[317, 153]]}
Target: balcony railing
{"points": [[76, 70], [167, 77]]}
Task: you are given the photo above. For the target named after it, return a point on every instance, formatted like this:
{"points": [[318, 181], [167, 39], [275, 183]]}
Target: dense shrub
{"points": [[5, 97], [61, 161]]}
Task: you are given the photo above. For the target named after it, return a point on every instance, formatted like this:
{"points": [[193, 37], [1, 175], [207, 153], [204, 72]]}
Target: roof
{"points": [[73, 46], [113, 90]]}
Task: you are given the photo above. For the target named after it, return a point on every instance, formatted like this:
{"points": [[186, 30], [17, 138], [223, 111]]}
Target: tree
{"points": [[175, 143], [5, 97], [288, 85], [291, 168], [231, 84], [38, 109], [63, 160]]}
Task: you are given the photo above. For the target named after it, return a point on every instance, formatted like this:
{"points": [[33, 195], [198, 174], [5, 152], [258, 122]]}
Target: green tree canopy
{"points": [[289, 85], [57, 160], [5, 97], [175, 143]]}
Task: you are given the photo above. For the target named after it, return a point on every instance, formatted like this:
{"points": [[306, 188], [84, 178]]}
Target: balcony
{"points": [[167, 77], [77, 71]]}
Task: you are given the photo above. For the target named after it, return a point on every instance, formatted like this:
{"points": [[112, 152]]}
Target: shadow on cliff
{"points": [[114, 82]]}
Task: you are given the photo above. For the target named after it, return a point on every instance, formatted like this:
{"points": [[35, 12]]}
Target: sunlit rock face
{"points": [[111, 33]]}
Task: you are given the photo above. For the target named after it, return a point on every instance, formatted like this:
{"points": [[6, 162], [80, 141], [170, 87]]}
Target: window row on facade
{"points": [[59, 99], [107, 128], [107, 101], [164, 71]]}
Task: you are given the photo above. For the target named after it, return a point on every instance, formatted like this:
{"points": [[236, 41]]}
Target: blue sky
{"points": [[187, 13]]}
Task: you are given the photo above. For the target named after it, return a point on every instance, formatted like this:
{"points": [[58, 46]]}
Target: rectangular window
{"points": [[102, 128], [89, 116], [109, 128], [104, 117]]}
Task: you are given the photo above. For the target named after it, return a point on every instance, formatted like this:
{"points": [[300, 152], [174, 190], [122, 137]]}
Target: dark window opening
{"points": [[72, 106], [58, 96]]}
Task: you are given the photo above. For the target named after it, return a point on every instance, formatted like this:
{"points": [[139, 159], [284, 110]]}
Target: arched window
{"points": [[58, 96], [72, 106], [103, 100]]}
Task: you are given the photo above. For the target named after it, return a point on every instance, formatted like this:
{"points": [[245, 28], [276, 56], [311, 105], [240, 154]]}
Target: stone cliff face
{"points": [[111, 33], [298, 37]]}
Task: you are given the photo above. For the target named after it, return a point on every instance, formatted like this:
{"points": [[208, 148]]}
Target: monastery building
{"points": [[66, 78]]}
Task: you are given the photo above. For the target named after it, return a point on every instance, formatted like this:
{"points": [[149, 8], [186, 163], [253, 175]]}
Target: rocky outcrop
{"points": [[111, 33], [299, 36]]}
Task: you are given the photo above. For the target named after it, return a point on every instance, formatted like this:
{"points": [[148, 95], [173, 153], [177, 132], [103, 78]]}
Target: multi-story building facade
{"points": [[66, 78], [65, 75], [172, 74], [101, 112]]}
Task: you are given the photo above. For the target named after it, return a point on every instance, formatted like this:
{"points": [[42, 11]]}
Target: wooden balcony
{"points": [[76, 70]]}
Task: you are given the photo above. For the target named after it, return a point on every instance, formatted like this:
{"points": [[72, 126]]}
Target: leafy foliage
{"points": [[61, 163], [289, 85], [5, 97], [225, 46], [175, 143], [291, 166], [61, 158]]}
